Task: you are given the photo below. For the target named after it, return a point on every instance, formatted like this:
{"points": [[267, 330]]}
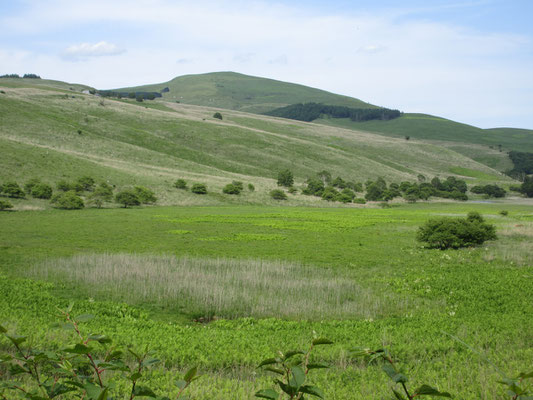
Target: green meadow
{"points": [[224, 287]]}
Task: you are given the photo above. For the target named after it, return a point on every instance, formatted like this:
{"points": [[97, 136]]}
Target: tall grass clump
{"points": [[221, 287]]}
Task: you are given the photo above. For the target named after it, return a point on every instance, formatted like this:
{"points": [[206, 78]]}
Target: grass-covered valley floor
{"points": [[225, 287]]}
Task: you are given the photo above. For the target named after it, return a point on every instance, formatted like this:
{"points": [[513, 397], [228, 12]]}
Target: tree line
{"points": [[310, 111], [27, 76]]}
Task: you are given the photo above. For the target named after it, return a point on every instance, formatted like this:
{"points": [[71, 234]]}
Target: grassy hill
{"points": [[242, 92], [52, 135], [258, 95]]}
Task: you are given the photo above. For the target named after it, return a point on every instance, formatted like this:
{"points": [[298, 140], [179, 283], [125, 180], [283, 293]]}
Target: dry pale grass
{"points": [[222, 287], [515, 245]]}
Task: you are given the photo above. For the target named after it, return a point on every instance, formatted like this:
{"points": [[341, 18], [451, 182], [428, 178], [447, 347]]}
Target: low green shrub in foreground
{"points": [[445, 233]]}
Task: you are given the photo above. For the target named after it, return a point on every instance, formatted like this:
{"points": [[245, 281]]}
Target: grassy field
{"points": [[185, 281]]}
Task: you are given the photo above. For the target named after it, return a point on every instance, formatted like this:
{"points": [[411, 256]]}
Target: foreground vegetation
{"points": [[386, 290]]}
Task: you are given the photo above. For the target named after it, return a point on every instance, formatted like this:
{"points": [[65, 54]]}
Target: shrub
{"points": [[527, 186], [145, 195], [374, 192], [285, 178], [199, 188], [181, 184], [489, 190], [127, 198], [238, 184], [359, 200], [292, 190], [251, 187], [64, 186], [86, 183], [102, 193], [4, 205], [444, 233], [68, 201], [42, 191], [278, 194], [504, 213], [12, 189], [30, 184], [217, 115], [338, 182], [231, 189], [330, 194], [314, 187]]}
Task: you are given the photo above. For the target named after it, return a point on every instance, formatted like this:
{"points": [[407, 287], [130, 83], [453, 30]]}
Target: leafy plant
{"points": [[12, 189], [292, 369], [80, 368], [231, 189], [397, 376], [217, 115], [180, 184], [68, 201], [199, 188], [278, 194], [4, 205]]}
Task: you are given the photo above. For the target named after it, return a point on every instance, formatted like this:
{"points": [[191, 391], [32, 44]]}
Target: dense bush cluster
{"points": [[489, 190], [285, 178], [445, 233], [199, 188], [235, 187], [27, 76], [310, 111], [130, 95], [522, 164], [278, 194]]}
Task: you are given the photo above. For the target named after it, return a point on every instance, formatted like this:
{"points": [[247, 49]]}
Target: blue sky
{"points": [[471, 61]]}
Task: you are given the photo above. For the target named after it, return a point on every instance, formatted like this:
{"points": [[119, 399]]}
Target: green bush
{"points": [[285, 178], [527, 186], [445, 233], [181, 184], [30, 184], [251, 187], [127, 198], [86, 183], [359, 200], [68, 201], [101, 194], [64, 186], [145, 195], [231, 189], [504, 213], [217, 115], [278, 194], [199, 188], [41, 191], [292, 190], [12, 189], [238, 184], [4, 205], [330, 194]]}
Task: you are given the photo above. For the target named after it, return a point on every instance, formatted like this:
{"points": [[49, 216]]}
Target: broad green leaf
{"points": [[396, 376], [312, 390], [267, 394], [268, 361], [275, 370], [319, 341], [190, 374], [15, 369], [181, 384], [84, 318], [141, 391], [291, 391], [316, 366], [104, 394], [290, 354], [78, 348], [525, 376], [298, 377], [426, 390], [135, 377], [17, 340], [103, 339]]}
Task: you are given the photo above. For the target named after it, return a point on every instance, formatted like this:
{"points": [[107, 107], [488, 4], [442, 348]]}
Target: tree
{"points": [[86, 183], [101, 194], [324, 176], [330, 194], [180, 184], [42, 191], [527, 186], [285, 178], [251, 187], [30, 184], [145, 195], [217, 115], [278, 194], [12, 189], [199, 188], [127, 198], [68, 201], [64, 186]]}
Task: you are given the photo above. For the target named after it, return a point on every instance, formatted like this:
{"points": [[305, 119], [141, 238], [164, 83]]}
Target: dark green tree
{"points": [[127, 198], [285, 178]]}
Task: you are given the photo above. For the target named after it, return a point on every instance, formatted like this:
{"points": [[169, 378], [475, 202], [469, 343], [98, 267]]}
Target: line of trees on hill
{"points": [[522, 164], [310, 111], [27, 76], [129, 95]]}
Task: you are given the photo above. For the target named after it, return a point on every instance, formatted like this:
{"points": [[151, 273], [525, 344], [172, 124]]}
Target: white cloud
{"points": [[85, 50]]}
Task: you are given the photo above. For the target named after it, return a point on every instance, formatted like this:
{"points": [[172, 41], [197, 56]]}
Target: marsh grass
{"points": [[222, 287]]}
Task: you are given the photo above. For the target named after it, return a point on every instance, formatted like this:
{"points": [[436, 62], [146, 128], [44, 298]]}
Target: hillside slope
{"points": [[48, 134], [242, 92]]}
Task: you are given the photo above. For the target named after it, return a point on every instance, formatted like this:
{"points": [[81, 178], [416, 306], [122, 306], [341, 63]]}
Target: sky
{"points": [[466, 60]]}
